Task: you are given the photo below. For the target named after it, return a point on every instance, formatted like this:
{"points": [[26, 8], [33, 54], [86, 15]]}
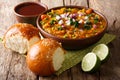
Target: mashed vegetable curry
{"points": [[72, 23]]}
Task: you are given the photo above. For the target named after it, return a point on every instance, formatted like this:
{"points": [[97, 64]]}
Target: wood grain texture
{"points": [[5, 60], [13, 66], [111, 69], [18, 69], [77, 71], [64, 76], [76, 2], [52, 3]]}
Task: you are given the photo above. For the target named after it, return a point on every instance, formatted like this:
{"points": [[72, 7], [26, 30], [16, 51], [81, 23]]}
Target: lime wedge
{"points": [[102, 52], [90, 62]]}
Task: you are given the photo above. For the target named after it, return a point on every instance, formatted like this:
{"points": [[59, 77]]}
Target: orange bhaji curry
{"points": [[72, 23]]}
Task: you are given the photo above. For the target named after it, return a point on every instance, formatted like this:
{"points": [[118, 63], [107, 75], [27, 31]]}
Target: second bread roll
{"points": [[45, 57]]}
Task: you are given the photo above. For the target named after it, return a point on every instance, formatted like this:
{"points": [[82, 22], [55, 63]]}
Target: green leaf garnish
{"points": [[52, 22], [88, 22], [96, 20], [42, 22], [65, 36], [68, 10], [71, 21], [76, 24], [87, 27], [1, 39], [50, 13], [89, 15], [60, 28]]}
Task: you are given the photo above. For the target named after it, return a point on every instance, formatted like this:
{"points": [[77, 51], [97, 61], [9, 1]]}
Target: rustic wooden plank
{"points": [[12, 65], [78, 74], [18, 69], [64, 76], [52, 3], [94, 76], [76, 2], [110, 70], [5, 60]]}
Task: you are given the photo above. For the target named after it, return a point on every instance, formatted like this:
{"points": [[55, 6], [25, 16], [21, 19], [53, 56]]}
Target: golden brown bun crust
{"points": [[26, 30], [39, 57]]}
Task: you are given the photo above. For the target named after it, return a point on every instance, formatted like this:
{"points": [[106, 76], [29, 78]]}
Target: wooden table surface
{"points": [[13, 65]]}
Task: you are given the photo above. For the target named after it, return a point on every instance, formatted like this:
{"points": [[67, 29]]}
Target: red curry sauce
{"points": [[30, 9]]}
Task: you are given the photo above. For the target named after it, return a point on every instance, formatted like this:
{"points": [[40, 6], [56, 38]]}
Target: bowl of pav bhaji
{"points": [[75, 27]]}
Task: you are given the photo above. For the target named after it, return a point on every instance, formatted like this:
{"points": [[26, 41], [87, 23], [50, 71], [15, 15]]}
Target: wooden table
{"points": [[13, 66]]}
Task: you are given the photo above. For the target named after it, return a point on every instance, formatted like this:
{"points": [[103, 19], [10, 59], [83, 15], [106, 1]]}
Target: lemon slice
{"points": [[102, 52], [90, 62]]}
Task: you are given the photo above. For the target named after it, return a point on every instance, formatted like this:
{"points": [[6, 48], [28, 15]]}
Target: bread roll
{"points": [[45, 57], [20, 37]]}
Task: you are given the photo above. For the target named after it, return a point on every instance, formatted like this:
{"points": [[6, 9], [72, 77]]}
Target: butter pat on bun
{"points": [[45, 57], [20, 37]]}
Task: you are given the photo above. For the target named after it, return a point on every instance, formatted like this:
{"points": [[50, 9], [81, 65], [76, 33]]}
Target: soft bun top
{"points": [[26, 30]]}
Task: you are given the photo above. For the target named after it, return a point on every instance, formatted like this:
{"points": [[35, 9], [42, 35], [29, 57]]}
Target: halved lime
{"points": [[102, 52], [90, 62]]}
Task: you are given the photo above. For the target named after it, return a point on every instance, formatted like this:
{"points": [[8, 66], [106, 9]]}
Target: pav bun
{"points": [[19, 37], [45, 57]]}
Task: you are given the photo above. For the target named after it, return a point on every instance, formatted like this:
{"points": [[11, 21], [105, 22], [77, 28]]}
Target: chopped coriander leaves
{"points": [[96, 20], [76, 24], [87, 27], [65, 36], [60, 28], [89, 15], [1, 39], [88, 22], [42, 23], [68, 10], [52, 22], [52, 14], [71, 21]]}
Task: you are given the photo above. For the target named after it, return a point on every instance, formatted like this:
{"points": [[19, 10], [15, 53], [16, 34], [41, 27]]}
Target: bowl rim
{"points": [[29, 2], [71, 6]]}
